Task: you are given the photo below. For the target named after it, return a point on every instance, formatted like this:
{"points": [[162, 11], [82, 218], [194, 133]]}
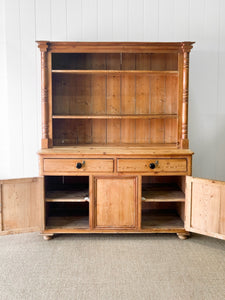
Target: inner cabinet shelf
{"points": [[67, 215], [149, 116], [64, 222], [162, 193], [116, 72], [66, 189], [68, 196], [161, 219]]}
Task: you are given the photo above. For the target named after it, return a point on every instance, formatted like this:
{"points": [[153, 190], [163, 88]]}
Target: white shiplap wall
{"points": [[24, 21]]}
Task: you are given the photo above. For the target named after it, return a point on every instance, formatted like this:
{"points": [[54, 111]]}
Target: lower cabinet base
{"points": [[126, 204], [48, 234]]}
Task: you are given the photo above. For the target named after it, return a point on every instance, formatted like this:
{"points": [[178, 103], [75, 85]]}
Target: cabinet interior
{"points": [[163, 199], [67, 201], [115, 98], [115, 61]]}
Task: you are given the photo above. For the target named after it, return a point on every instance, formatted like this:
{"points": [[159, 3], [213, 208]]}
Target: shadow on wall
{"points": [[206, 120]]}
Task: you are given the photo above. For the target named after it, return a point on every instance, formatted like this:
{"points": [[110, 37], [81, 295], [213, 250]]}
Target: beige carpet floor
{"points": [[105, 267]]}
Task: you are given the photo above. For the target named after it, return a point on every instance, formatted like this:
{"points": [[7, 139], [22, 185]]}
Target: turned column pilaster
{"points": [[44, 94], [184, 126]]}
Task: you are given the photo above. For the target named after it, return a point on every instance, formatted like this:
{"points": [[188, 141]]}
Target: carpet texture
{"points": [[105, 267]]}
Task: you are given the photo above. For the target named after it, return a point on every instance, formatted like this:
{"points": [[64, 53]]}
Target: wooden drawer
{"points": [[158, 165], [72, 165]]}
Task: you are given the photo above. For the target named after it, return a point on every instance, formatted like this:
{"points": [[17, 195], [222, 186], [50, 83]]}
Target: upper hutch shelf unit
{"points": [[115, 155], [114, 94]]}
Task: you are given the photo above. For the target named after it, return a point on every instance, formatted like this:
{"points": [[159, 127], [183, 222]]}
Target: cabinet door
{"points": [[21, 205], [205, 207], [115, 202]]}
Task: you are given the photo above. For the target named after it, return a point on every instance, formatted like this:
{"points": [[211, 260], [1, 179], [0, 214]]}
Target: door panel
{"points": [[115, 202], [222, 211], [205, 206], [21, 205], [0, 208]]}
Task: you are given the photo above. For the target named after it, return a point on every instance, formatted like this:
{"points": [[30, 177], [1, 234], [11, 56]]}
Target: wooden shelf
{"points": [[68, 196], [129, 149], [68, 222], [165, 219], [162, 193], [150, 72], [148, 116]]}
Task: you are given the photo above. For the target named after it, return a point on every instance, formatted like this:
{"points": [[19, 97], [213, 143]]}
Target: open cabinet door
{"points": [[205, 207], [21, 205]]}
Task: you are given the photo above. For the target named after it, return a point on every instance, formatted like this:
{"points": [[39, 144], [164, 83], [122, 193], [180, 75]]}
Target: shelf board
{"points": [[166, 219], [67, 222], [162, 193], [148, 116], [150, 72], [154, 150], [68, 196]]}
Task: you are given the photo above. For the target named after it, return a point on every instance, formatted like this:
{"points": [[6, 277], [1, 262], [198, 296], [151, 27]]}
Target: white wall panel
{"points": [[90, 20], [59, 20], [197, 13], [181, 20], [173, 20], [166, 21], [135, 23], [43, 30], [203, 102], [105, 20], [24, 21], [74, 20], [4, 122], [29, 79], [151, 20], [15, 105], [120, 20], [43, 20], [220, 118]]}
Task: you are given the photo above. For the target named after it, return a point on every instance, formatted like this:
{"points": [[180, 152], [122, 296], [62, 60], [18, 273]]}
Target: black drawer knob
{"points": [[152, 166], [79, 165]]}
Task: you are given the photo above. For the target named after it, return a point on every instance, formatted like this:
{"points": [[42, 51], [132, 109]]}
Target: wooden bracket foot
{"points": [[183, 236], [48, 237]]}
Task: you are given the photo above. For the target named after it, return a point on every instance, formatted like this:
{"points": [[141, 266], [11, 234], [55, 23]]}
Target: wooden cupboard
{"points": [[115, 156], [115, 202], [21, 205]]}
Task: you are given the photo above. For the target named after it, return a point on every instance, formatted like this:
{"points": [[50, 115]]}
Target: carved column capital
{"points": [[186, 46], [43, 46]]}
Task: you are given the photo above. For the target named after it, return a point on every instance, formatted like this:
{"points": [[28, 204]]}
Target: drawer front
{"points": [[81, 165], [152, 165]]}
